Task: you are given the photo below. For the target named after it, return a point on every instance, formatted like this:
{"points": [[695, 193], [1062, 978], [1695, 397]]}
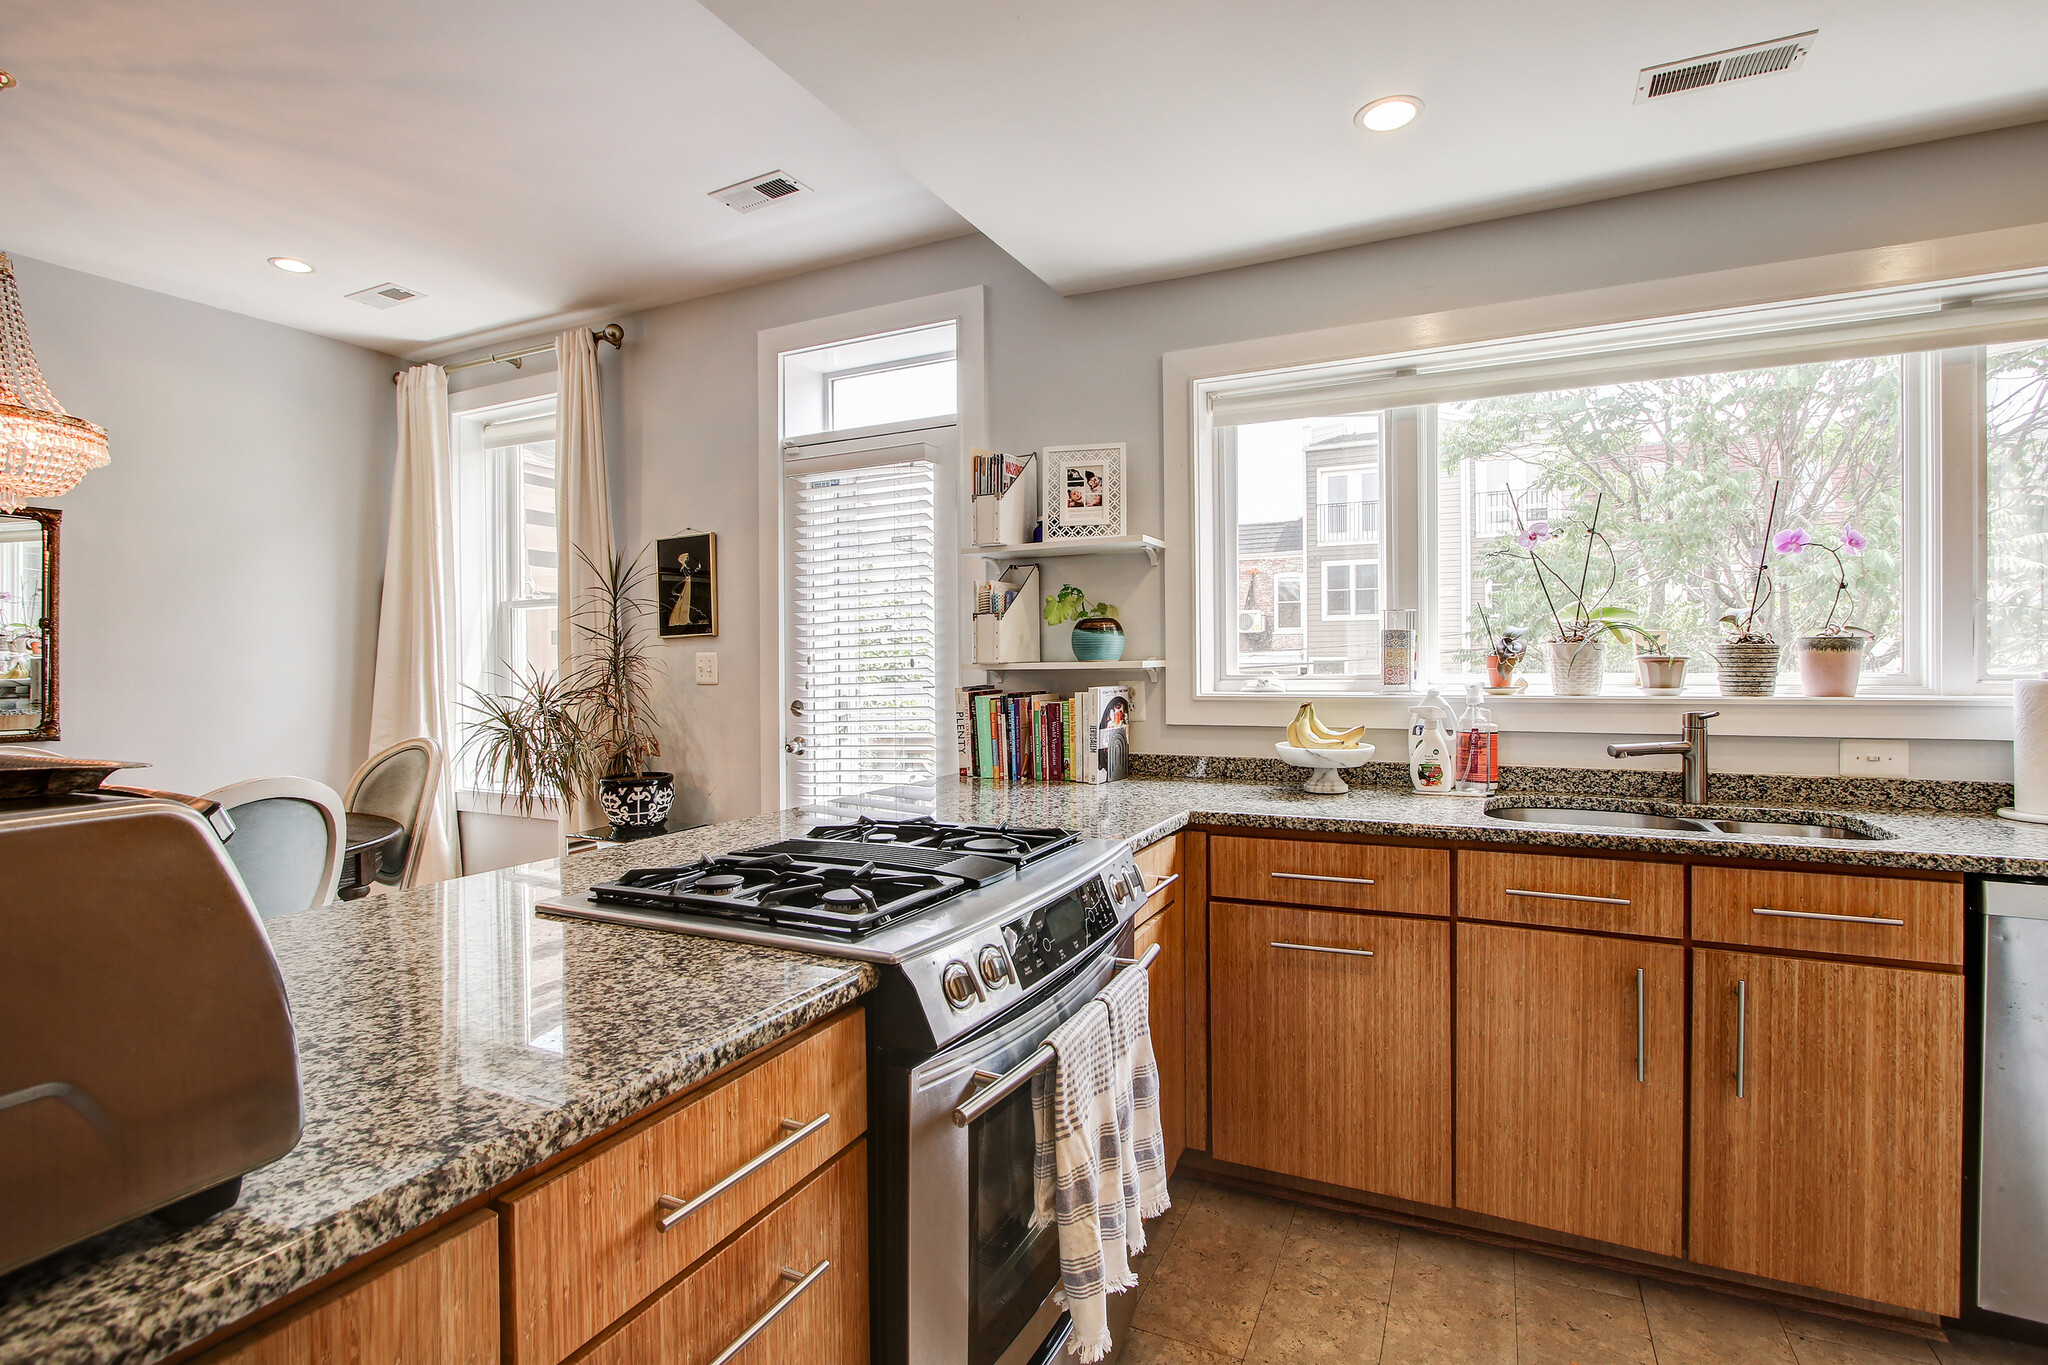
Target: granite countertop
{"points": [[450, 1038]]}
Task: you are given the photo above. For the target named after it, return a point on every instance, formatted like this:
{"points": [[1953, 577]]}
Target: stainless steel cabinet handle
{"points": [[1642, 1064], [679, 1209], [1318, 948], [1161, 885], [1815, 914], [1741, 1039], [1565, 896], [801, 1282], [1315, 877]]}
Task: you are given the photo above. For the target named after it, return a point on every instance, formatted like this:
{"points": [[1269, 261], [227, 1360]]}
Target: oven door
{"points": [[982, 1261]]}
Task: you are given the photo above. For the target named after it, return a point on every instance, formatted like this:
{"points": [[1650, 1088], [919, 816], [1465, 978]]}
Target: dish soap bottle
{"points": [[1429, 746], [1478, 748]]}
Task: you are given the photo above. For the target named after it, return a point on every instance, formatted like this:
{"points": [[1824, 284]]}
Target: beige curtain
{"points": [[583, 513], [415, 626]]}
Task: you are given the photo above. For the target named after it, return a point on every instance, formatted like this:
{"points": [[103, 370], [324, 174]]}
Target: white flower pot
{"points": [[1576, 666]]}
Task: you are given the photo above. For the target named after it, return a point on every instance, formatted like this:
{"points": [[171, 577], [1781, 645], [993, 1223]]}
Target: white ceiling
{"points": [[1110, 143], [515, 162]]}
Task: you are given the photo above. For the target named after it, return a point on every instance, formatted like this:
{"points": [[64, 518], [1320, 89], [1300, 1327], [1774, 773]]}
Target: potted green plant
{"points": [[1830, 660], [1748, 658], [550, 737], [1098, 634]]}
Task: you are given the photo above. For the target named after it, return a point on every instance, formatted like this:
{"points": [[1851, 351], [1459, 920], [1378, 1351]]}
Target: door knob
{"points": [[795, 746]]}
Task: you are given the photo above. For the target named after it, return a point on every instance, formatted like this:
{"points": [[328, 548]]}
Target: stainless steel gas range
{"points": [[986, 938]]}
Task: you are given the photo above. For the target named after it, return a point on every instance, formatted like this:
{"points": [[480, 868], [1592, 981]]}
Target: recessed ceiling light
{"points": [[1384, 116], [296, 267]]}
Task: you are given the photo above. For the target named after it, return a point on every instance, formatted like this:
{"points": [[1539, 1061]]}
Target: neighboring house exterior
{"points": [[1272, 601], [1342, 556]]}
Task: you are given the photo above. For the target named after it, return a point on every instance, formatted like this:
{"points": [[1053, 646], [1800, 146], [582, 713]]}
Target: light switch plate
{"points": [[707, 668], [1876, 758]]}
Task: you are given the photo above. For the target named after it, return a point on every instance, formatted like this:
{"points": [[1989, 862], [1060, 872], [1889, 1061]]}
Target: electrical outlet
{"points": [[1876, 757], [707, 669]]}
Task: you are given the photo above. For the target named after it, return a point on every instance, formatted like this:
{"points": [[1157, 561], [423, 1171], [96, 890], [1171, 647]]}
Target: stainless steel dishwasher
{"points": [[2012, 1207]]}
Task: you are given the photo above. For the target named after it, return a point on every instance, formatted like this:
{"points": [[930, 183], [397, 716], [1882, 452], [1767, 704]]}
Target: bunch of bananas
{"points": [[1306, 732]]}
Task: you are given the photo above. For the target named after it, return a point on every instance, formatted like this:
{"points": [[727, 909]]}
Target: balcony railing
{"points": [[1347, 523], [1497, 512]]}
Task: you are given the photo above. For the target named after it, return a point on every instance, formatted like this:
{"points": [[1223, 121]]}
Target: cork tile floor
{"points": [[1233, 1277]]}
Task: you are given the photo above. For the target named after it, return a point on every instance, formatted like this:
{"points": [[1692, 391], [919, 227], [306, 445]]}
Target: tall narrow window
{"points": [[864, 635], [2015, 509]]}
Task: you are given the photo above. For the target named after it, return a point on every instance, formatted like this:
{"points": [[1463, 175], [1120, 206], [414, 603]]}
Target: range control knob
{"points": [[958, 983], [1120, 886], [995, 969]]}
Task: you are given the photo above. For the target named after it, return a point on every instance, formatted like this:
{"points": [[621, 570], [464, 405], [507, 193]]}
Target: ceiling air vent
{"points": [[384, 295], [757, 190], [1719, 68]]}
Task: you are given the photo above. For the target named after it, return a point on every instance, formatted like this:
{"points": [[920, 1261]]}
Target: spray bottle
{"points": [[1478, 748], [1429, 746]]}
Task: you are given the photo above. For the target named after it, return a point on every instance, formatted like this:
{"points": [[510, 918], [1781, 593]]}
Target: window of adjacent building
{"points": [[1351, 590], [1853, 413], [1287, 602]]}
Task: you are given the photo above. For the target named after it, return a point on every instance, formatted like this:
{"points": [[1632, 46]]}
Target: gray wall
{"points": [[1065, 370], [220, 578]]}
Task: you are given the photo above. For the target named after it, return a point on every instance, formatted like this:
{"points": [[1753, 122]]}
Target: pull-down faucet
{"points": [[1693, 749]]}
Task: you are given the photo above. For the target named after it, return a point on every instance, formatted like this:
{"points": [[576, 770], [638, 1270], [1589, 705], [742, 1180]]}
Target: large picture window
{"points": [[1827, 439]]}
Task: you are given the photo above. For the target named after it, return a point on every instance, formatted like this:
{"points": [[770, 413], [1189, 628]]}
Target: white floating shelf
{"points": [[1148, 546], [1149, 667]]}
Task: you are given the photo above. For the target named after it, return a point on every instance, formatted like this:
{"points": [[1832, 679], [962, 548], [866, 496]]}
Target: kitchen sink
{"points": [[1661, 816]]}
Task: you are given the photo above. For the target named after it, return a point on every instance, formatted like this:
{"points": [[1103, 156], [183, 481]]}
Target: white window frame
{"points": [[965, 308], [1300, 602], [1406, 365], [1352, 566], [470, 413]]}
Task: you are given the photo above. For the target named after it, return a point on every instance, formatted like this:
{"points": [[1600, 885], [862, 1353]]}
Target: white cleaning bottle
{"points": [[1429, 746]]}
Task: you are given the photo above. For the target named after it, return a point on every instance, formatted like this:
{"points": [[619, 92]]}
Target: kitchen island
{"points": [[452, 1041]]}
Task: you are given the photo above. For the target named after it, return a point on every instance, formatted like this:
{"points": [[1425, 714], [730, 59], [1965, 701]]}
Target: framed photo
{"points": [[686, 589], [1083, 491]]}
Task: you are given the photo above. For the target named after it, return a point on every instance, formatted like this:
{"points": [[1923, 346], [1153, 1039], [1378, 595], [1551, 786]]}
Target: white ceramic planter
{"points": [[1829, 665], [1576, 666]]}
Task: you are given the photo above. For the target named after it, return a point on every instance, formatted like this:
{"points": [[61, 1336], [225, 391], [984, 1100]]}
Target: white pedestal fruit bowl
{"points": [[1326, 766]]}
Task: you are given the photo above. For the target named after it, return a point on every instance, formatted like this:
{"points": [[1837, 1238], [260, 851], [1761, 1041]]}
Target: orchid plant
{"points": [[1744, 626], [1854, 543], [1580, 621]]}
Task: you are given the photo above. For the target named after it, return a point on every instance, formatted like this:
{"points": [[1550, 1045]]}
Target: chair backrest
{"points": [[287, 844], [397, 784]]}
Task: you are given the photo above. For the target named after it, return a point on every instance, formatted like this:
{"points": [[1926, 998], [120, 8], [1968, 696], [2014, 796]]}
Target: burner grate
{"points": [[837, 897]]}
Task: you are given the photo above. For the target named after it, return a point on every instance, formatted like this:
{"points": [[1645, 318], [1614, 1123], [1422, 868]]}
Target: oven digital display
{"points": [[1054, 934]]}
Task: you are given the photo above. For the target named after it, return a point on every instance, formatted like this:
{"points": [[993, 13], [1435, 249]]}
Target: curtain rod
{"points": [[611, 332]]}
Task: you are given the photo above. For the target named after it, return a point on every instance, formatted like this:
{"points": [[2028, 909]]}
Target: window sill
{"points": [[497, 803]]}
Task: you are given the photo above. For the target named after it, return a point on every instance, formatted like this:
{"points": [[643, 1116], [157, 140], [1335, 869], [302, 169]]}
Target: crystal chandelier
{"points": [[43, 449]]}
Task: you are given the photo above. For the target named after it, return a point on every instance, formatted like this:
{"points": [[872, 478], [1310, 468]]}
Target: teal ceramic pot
{"points": [[1098, 639]]}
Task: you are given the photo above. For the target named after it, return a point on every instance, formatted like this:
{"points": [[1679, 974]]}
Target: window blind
{"points": [[864, 615], [1880, 322]]}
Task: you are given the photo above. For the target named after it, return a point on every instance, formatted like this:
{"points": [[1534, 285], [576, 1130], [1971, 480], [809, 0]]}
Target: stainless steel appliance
{"points": [[2012, 1191], [986, 939], [150, 1060]]}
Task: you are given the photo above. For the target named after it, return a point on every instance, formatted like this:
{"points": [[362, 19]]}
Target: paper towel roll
{"points": [[2030, 746]]}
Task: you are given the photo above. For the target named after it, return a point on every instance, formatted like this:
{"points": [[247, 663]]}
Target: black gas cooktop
{"points": [[1014, 844]]}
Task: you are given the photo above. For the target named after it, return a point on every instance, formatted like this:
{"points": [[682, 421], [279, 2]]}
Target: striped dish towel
{"points": [[1100, 1167]]}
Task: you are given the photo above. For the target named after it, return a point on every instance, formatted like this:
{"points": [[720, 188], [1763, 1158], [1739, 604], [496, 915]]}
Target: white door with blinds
{"points": [[861, 719]]}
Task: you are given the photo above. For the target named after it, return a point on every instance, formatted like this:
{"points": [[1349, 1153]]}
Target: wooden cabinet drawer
{"points": [[1889, 917], [1160, 862], [823, 1320], [586, 1244], [435, 1303], [1414, 881], [1563, 892]]}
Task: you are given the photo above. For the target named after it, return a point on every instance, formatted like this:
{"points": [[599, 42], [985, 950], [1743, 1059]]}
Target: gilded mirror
{"points": [[28, 624]]}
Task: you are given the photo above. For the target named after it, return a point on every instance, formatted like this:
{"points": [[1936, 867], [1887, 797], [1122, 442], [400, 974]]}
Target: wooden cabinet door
{"points": [[1827, 1125], [1571, 1083], [1169, 1036], [435, 1303], [1329, 1041]]}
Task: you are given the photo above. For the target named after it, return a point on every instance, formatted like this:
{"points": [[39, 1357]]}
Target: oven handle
{"points": [[999, 1086]]}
